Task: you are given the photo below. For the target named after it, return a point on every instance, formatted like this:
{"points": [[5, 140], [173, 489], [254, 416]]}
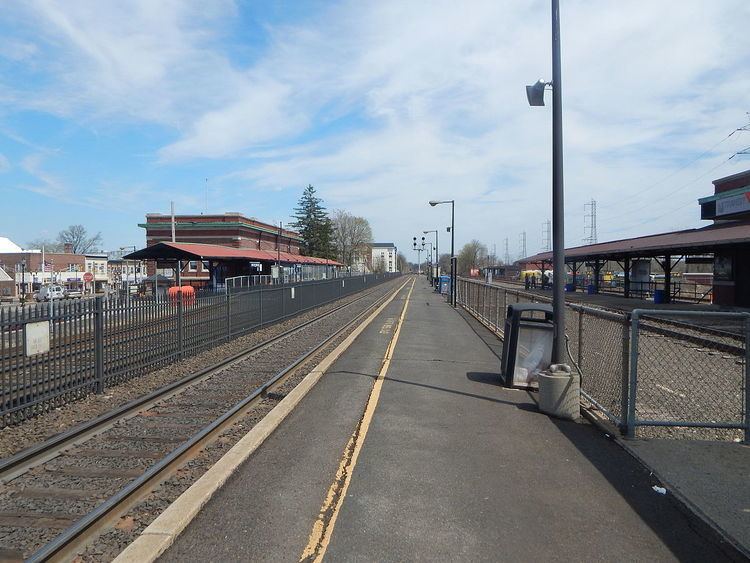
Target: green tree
{"points": [[313, 225]]}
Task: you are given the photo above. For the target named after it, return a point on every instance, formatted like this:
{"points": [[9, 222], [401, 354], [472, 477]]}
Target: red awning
{"points": [[198, 251]]}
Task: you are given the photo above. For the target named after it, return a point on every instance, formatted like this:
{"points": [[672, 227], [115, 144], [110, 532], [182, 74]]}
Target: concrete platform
{"points": [[453, 467]]}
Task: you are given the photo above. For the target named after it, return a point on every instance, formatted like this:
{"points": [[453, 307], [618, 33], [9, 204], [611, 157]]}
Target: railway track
{"points": [[60, 494]]}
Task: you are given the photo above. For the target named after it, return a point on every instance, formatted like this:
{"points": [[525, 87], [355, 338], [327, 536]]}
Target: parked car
{"points": [[54, 291], [50, 292]]}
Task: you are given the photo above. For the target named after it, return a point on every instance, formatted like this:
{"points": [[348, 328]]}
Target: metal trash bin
{"points": [[527, 343]]}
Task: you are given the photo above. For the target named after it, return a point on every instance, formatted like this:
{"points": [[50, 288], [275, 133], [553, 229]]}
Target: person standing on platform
{"points": [[533, 281], [527, 281]]}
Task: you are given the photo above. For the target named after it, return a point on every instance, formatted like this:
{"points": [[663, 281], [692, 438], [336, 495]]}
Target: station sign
{"points": [[36, 338], [733, 204]]}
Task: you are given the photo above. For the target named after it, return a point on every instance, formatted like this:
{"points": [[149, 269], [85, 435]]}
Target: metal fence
{"points": [[95, 343], [653, 373]]}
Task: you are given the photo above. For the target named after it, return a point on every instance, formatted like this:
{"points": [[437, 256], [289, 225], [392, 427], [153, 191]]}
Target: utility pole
{"points": [[547, 236], [507, 253], [589, 222], [522, 244], [179, 262]]}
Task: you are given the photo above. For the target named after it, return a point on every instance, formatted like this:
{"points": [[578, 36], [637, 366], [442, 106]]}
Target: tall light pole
{"points": [[429, 255], [437, 252], [535, 95], [433, 203]]}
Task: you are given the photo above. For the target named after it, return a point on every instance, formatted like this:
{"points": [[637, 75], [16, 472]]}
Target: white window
{"points": [[193, 266]]}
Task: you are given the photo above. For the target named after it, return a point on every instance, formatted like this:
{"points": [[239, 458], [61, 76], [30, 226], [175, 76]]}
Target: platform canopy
{"points": [[677, 243], [198, 251]]}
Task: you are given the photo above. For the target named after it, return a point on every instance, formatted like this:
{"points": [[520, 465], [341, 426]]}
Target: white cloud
{"points": [[4, 163], [385, 105]]}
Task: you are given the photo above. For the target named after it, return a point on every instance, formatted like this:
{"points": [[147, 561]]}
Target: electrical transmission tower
{"points": [[547, 236], [507, 252], [522, 244], [589, 222]]}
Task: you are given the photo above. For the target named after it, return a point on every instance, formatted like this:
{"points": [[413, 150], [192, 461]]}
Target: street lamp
{"points": [[535, 95], [430, 256], [437, 252], [433, 203]]}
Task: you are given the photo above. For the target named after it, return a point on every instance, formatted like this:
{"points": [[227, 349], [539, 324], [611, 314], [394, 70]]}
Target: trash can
{"points": [[569, 288], [445, 285], [527, 343], [591, 289], [658, 296]]}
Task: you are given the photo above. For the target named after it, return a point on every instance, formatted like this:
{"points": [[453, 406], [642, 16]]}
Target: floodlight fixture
{"points": [[535, 92]]}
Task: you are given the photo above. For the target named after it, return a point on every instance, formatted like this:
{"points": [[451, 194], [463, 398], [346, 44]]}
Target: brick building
{"points": [[229, 229], [29, 268]]}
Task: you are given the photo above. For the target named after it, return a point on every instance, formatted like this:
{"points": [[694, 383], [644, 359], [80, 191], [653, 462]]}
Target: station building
{"points": [[724, 244], [232, 230], [210, 249]]}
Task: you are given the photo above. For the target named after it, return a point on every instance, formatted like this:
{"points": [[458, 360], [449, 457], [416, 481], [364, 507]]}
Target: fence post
{"points": [[229, 315], [260, 302], [625, 375], [99, 343], [747, 380], [632, 387], [580, 339], [180, 327]]}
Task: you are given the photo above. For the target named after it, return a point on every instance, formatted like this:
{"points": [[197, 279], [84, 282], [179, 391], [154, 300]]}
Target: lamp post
{"points": [[430, 257], [23, 281], [433, 203], [437, 252], [535, 94]]}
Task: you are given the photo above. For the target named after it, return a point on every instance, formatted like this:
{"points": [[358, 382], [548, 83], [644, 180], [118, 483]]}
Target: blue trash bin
{"points": [[569, 288], [591, 289], [658, 296], [445, 285]]}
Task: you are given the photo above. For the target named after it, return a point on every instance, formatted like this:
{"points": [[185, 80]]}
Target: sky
{"points": [[112, 109]]}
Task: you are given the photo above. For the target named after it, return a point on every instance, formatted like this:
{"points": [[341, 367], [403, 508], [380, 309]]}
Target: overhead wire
{"points": [[675, 172]]}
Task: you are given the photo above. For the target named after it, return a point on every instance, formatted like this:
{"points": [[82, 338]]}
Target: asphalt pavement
{"points": [[454, 467]]}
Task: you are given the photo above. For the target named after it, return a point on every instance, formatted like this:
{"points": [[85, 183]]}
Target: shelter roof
{"points": [[199, 251], [689, 241]]}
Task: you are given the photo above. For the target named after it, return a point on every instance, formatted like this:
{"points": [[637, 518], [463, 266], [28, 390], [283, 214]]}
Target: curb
{"points": [[164, 530]]}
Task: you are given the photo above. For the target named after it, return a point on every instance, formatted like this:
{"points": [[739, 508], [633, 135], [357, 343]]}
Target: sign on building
{"points": [[733, 204], [36, 338]]}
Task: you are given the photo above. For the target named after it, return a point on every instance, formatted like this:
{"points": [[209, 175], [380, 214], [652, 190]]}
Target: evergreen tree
{"points": [[313, 225]]}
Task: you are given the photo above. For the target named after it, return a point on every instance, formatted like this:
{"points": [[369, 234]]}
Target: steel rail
{"points": [[75, 535], [19, 463]]}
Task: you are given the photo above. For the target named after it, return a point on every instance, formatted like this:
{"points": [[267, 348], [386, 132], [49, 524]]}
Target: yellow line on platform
{"points": [[323, 526]]}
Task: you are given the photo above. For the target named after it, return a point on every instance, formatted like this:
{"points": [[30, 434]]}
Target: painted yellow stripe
{"points": [[323, 526]]}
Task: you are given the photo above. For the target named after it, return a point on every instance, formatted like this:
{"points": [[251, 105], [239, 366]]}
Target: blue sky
{"points": [[110, 110]]}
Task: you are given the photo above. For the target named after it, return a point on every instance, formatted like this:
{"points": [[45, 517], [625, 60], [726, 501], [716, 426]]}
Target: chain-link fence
{"points": [[690, 380], [653, 373], [94, 343]]}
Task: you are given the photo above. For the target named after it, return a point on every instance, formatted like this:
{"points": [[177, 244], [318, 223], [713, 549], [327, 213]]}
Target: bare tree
{"points": [[473, 255], [78, 237], [48, 244], [402, 263], [352, 236]]}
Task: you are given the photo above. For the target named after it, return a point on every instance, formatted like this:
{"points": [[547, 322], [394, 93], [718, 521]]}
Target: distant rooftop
{"points": [[7, 245], [382, 245]]}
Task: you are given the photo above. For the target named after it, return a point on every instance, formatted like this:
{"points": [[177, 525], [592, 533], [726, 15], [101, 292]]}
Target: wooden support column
{"points": [[626, 270]]}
